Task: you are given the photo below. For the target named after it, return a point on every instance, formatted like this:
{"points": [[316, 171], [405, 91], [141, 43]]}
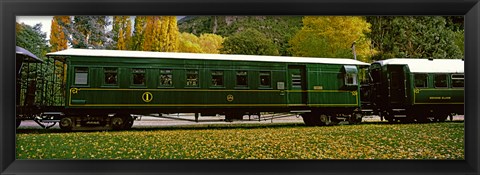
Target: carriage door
{"points": [[396, 84], [297, 93]]}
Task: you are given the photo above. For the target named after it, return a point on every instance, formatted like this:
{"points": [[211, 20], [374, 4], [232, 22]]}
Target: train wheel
{"points": [[355, 119], [324, 120], [118, 123], [18, 122], [66, 123]]}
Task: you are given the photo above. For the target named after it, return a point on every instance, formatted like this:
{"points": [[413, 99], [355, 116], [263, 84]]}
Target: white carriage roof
{"points": [[428, 66], [202, 56]]}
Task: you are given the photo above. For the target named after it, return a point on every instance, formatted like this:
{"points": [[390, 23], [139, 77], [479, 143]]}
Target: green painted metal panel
{"points": [[326, 87], [438, 96], [323, 85]]}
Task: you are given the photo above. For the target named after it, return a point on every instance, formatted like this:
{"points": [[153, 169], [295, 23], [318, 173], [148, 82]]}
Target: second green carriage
{"points": [[416, 89]]}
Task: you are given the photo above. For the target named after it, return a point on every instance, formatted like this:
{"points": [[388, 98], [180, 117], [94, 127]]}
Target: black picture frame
{"points": [[9, 9]]}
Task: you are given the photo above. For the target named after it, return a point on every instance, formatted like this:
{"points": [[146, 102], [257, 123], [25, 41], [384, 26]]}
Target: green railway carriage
{"points": [[417, 89], [106, 86]]}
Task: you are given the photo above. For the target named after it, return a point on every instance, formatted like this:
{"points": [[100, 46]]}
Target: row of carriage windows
{"points": [[439, 80], [166, 77]]}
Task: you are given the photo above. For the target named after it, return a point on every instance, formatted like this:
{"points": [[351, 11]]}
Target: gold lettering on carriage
{"points": [[440, 98], [147, 97]]}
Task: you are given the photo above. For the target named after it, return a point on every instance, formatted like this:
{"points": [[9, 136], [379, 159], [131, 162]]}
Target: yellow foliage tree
{"points": [[211, 43], [122, 30], [206, 43], [332, 36], [148, 34], [58, 40], [189, 43], [161, 34], [172, 37]]}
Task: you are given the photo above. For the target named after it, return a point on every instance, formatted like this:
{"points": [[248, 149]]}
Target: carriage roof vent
{"points": [[431, 59]]}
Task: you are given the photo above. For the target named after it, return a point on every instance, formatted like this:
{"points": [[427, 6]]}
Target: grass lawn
{"points": [[250, 141]]}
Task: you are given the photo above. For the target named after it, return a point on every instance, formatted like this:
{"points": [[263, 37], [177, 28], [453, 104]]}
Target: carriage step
{"points": [[301, 111]]}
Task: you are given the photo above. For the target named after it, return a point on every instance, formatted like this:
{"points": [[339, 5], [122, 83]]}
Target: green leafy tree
{"points": [[139, 33], [415, 37], [88, 31], [332, 36], [32, 39], [249, 42], [278, 29]]}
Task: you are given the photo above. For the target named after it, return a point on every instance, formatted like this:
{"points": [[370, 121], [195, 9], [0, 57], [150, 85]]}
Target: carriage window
{"points": [[110, 75], [441, 80], [265, 79], [81, 75], [458, 80], [166, 78], [138, 76], [421, 80], [351, 79], [192, 78], [350, 75], [217, 78], [242, 78]]}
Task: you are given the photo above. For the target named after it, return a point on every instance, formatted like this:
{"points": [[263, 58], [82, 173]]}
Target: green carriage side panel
{"points": [[95, 94], [327, 87]]}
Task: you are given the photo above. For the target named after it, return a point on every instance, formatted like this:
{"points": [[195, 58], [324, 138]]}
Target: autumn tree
{"points": [[415, 37], [58, 39], [189, 43], [122, 32], [206, 43], [172, 31], [160, 34], [148, 34], [249, 42], [211, 43], [333, 36]]}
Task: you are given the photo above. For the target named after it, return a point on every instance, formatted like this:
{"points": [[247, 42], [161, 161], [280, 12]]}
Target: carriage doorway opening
{"points": [[397, 84], [297, 85]]}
